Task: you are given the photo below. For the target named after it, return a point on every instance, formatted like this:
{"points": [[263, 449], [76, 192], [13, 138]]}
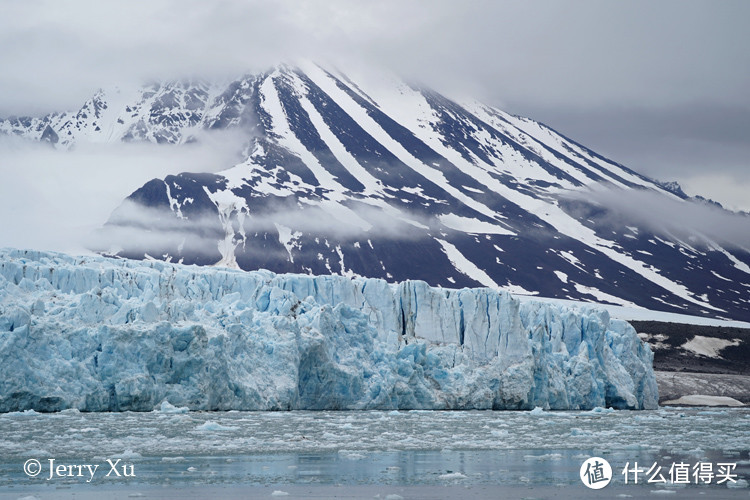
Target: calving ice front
{"points": [[101, 334]]}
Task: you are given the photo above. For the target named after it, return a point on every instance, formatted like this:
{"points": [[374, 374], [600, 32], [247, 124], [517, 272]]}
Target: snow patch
{"points": [[704, 400], [708, 346], [469, 225], [289, 239], [464, 265], [602, 296]]}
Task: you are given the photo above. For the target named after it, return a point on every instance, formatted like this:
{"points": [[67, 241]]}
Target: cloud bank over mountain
{"points": [[660, 87]]}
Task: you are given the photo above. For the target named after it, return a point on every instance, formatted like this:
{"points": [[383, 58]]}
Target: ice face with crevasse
{"points": [[99, 334]]}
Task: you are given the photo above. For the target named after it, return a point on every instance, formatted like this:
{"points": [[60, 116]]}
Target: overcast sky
{"points": [[659, 86]]}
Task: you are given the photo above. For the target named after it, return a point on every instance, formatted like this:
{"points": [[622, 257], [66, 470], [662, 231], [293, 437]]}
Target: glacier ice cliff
{"points": [[101, 334]]}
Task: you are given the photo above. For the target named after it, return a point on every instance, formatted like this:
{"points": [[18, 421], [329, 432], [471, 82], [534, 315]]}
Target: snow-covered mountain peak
{"points": [[380, 178]]}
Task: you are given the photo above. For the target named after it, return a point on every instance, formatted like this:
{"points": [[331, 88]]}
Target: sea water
{"points": [[348, 451]]}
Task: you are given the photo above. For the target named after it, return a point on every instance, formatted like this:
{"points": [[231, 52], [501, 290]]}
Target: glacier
{"points": [[100, 334]]}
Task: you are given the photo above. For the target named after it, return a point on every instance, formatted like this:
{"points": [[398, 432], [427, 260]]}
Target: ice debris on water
{"points": [[99, 334], [599, 409], [166, 407], [210, 425], [452, 476], [739, 483]]}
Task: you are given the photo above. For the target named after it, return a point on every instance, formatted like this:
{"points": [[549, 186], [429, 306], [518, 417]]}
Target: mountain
{"points": [[395, 181]]}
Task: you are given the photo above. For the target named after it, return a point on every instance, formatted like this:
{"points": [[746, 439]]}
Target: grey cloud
{"points": [[52, 200], [692, 222], [582, 53], [682, 143], [132, 219], [658, 86], [55, 54]]}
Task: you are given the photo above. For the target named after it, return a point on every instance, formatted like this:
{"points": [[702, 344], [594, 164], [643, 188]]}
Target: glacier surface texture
{"points": [[101, 334]]}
